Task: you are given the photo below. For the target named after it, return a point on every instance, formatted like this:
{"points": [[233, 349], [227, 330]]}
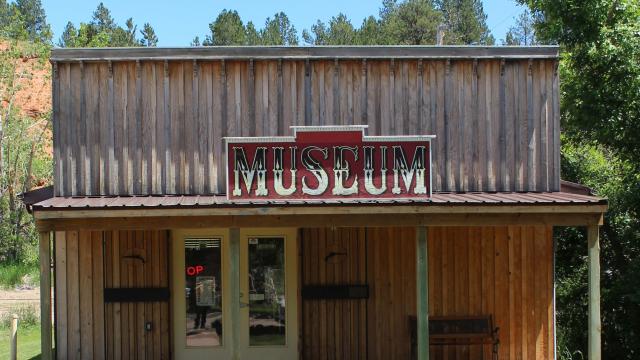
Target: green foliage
{"points": [[523, 33], [228, 29], [35, 20], [27, 316], [103, 31], [149, 37], [410, 22], [278, 31], [413, 22], [23, 160], [600, 71], [28, 343], [340, 31], [15, 274], [466, 22], [600, 38], [369, 32], [252, 36], [610, 176], [24, 20]]}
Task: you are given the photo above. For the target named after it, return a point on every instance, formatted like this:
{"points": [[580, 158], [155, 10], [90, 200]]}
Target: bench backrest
{"points": [[461, 326]]}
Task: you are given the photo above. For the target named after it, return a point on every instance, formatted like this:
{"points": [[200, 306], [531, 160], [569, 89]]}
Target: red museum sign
{"points": [[328, 162]]}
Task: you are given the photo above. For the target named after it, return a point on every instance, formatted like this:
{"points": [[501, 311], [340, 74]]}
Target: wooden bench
{"points": [[458, 331]]}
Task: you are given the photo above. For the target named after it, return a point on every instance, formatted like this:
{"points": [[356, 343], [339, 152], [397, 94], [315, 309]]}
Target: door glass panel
{"points": [[203, 291], [266, 291]]}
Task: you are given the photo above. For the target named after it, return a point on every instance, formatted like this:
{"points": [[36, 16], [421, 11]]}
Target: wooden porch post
{"points": [[45, 295], [234, 247], [595, 327], [422, 287]]}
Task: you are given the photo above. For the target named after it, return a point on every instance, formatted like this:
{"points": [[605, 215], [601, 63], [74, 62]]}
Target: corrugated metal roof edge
{"points": [[220, 201]]}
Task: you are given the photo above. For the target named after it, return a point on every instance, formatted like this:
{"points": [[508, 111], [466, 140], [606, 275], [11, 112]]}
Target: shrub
{"points": [[27, 316]]}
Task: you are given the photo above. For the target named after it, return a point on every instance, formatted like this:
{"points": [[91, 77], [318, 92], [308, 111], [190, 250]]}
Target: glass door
{"points": [[207, 272], [268, 294], [201, 298]]}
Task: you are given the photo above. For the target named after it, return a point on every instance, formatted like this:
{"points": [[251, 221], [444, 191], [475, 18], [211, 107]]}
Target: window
{"points": [[203, 292], [266, 291]]}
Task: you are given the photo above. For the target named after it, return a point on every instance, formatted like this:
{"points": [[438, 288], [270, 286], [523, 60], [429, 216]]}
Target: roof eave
{"points": [[304, 52]]}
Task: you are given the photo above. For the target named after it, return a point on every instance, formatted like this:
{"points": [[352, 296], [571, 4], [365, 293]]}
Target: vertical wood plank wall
{"points": [[156, 127], [391, 270], [334, 329], [78, 295], [503, 271], [89, 261]]}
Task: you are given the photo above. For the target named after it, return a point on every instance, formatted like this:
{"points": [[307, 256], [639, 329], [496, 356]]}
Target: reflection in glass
{"points": [[266, 291], [203, 292]]}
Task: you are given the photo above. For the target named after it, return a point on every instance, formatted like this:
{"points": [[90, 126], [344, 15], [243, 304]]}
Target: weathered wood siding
{"points": [[79, 302], [156, 127], [333, 329], [506, 272], [503, 271], [86, 263]]}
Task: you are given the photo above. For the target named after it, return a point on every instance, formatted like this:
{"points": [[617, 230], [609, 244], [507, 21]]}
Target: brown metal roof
{"points": [[209, 201]]}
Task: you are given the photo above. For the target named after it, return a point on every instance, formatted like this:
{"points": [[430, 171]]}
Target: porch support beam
{"points": [[133, 222], [45, 295], [422, 287], [234, 247], [595, 326]]}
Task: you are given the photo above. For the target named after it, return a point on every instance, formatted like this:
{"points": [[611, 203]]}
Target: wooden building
{"points": [[154, 258]]}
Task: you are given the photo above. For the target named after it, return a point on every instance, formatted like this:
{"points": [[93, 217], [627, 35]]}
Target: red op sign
{"points": [[328, 162]]}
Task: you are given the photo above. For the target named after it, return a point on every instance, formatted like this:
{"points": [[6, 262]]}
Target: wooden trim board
{"points": [[342, 220], [325, 210]]}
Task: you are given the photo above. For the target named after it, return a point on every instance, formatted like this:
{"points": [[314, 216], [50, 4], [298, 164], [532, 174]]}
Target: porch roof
{"points": [[221, 201], [202, 211]]}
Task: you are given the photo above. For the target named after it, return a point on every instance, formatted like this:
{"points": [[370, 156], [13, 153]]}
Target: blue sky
{"points": [[177, 22]]}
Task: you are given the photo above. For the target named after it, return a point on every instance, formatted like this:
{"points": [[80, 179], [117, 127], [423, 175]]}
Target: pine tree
{"points": [[195, 41], [4, 13], [317, 35], [466, 22], [339, 32], [369, 32], [103, 31], [12, 23], [252, 36], [34, 20], [149, 37], [279, 31], [227, 29], [523, 32], [102, 19], [69, 36], [413, 22]]}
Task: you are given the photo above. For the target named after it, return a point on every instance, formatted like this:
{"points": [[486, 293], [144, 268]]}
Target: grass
{"points": [[27, 316], [14, 274], [28, 342]]}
